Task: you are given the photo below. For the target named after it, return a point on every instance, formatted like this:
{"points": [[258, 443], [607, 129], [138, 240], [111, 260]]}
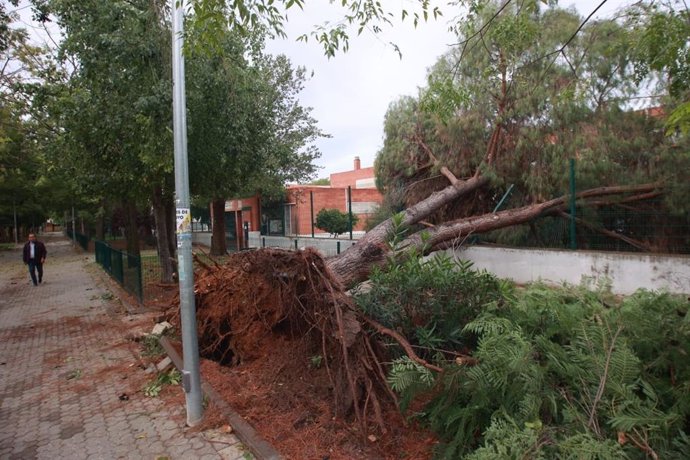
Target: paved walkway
{"points": [[65, 366]]}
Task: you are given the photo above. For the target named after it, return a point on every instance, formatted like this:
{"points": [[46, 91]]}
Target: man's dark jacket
{"points": [[39, 251]]}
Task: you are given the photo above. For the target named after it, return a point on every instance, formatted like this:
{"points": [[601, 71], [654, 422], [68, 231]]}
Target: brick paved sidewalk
{"points": [[65, 362]]}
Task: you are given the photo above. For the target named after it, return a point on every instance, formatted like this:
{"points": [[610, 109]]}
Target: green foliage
{"points": [[429, 300], [554, 372], [152, 346], [679, 120], [153, 388], [334, 221], [514, 103], [21, 171], [316, 361], [662, 44], [406, 374], [211, 16], [321, 181], [247, 131]]}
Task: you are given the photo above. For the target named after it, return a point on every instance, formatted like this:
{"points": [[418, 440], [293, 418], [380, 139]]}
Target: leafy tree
{"points": [[321, 181], [20, 171], [23, 185], [335, 222], [115, 108], [505, 107], [247, 132], [211, 16]]}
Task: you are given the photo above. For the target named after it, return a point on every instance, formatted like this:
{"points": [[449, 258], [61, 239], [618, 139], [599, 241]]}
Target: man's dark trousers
{"points": [[35, 265]]}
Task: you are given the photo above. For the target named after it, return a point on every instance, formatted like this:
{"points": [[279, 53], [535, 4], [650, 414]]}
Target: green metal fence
{"points": [[82, 240], [123, 267], [649, 225]]}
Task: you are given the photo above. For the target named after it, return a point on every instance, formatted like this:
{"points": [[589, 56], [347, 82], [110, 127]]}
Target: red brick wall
{"points": [[325, 198], [343, 179], [253, 215]]}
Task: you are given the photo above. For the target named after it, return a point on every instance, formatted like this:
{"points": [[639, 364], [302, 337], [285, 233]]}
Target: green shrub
{"points": [[334, 222], [430, 301], [556, 372]]}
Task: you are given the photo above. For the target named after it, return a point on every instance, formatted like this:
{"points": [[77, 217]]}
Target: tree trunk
{"points": [[218, 246], [355, 264], [132, 229], [100, 227], [162, 236]]}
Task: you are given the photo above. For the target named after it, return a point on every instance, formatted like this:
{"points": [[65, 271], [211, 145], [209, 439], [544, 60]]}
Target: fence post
{"points": [[505, 195], [337, 247], [349, 208], [140, 279], [311, 200], [263, 242], [573, 241], [74, 232]]}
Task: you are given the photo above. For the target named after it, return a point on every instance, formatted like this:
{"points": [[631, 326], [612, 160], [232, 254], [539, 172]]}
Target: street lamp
{"points": [[191, 378]]}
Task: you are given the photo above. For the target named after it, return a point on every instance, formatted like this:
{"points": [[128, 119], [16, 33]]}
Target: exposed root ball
{"points": [[256, 294], [259, 299]]}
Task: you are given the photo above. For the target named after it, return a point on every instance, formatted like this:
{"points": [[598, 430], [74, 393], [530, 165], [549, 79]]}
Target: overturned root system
{"points": [[259, 301]]}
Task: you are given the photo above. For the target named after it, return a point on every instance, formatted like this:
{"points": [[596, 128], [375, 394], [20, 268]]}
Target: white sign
{"points": [[183, 218]]}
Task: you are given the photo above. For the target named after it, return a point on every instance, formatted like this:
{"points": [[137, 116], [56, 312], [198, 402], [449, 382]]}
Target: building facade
{"points": [[349, 190], [353, 190]]}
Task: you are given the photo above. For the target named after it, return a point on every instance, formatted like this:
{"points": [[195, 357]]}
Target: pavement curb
{"points": [[261, 448]]}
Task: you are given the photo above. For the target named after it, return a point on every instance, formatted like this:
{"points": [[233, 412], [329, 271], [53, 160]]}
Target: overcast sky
{"points": [[350, 93]]}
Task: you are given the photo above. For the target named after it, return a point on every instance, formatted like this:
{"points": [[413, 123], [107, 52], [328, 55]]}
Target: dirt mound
{"points": [[298, 361]]}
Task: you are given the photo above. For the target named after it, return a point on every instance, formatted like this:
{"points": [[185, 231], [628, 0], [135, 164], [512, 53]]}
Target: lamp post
{"points": [[191, 377]]}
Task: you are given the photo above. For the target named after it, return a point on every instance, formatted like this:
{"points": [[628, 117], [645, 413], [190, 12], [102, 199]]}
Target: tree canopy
{"points": [[519, 96]]}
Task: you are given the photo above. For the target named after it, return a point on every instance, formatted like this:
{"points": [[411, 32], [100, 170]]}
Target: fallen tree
{"points": [[355, 264], [292, 308], [261, 303]]}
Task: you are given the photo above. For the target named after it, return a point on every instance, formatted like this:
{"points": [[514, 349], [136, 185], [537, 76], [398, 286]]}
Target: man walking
{"points": [[34, 254]]}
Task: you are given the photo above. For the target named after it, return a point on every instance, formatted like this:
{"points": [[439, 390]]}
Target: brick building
{"points": [[304, 201], [240, 214], [357, 185], [358, 178]]}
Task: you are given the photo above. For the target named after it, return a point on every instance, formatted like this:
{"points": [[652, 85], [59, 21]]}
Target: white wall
{"points": [[326, 246], [202, 238], [626, 272]]}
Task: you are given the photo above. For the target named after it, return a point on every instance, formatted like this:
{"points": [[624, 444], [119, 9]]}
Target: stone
{"points": [[160, 328], [164, 364]]}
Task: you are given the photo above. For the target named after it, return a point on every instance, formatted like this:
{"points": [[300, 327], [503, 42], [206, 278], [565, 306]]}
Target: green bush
{"points": [[334, 222], [430, 301], [556, 373]]}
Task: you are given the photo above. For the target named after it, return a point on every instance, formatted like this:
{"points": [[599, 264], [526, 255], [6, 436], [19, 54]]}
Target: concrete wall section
{"points": [[326, 246], [625, 272], [202, 238]]}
